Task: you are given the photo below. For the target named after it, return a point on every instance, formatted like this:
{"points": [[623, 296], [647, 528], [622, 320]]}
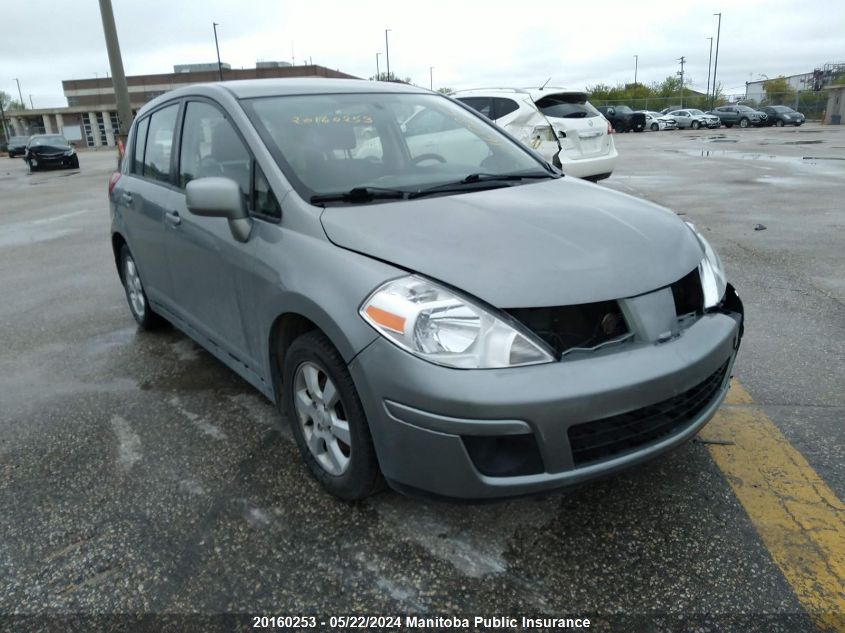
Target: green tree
{"points": [[383, 76], [778, 90], [446, 91], [8, 102]]}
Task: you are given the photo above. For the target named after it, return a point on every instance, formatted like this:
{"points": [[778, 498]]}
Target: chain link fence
{"points": [[810, 104]]}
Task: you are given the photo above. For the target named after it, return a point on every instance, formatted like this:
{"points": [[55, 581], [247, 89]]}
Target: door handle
{"points": [[173, 218]]}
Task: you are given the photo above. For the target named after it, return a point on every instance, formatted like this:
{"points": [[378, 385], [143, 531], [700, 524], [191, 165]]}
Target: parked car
{"points": [[694, 119], [50, 150], [560, 124], [623, 118], [476, 327], [17, 146], [782, 115], [655, 121], [740, 115]]}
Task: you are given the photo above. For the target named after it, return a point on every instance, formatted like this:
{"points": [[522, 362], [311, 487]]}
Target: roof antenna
{"points": [[547, 81]]}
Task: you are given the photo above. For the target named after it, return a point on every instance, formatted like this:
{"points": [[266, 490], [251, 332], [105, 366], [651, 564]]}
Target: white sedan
{"points": [[655, 121]]}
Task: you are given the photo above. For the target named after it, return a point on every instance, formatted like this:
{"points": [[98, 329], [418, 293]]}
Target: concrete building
{"points": [[90, 118], [835, 110], [816, 80]]}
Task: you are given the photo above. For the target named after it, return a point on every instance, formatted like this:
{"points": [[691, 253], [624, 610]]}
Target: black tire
{"points": [[695, 125], [619, 127], [744, 123], [655, 127], [779, 123], [141, 311], [32, 168], [362, 476], [74, 164], [729, 125]]}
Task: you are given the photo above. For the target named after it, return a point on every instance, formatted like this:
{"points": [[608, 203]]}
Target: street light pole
{"points": [[431, 77], [378, 73], [709, 65], [716, 61], [20, 94], [387, 52], [121, 90], [217, 47], [683, 61], [636, 63]]}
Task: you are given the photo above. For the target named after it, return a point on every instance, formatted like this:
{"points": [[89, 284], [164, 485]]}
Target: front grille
{"points": [[582, 326], [599, 440]]}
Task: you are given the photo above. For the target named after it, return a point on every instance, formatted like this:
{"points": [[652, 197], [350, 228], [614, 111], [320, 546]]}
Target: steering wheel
{"points": [[429, 156]]}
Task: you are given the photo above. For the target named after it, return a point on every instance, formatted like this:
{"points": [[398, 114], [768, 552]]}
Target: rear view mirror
{"points": [[216, 197]]}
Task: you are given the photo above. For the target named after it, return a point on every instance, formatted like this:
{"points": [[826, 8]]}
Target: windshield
{"points": [[696, 112], [782, 109], [48, 140], [338, 142], [567, 106]]}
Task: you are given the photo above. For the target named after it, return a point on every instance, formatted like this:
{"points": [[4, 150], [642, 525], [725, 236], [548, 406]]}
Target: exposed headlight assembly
{"points": [[712, 273], [442, 327], [70, 152]]}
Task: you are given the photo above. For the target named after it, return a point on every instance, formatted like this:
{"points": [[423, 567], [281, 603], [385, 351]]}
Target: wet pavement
{"points": [[137, 474]]}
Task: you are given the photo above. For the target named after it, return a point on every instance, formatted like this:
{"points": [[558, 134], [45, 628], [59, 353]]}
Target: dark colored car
{"points": [[783, 115], [623, 118], [50, 150], [740, 115], [17, 146]]}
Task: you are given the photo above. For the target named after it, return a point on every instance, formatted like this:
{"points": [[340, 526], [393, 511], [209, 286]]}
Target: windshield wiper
{"points": [[361, 194], [475, 179]]}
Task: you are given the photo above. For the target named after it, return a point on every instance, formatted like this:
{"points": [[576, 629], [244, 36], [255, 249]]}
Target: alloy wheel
{"points": [[133, 287], [322, 418]]}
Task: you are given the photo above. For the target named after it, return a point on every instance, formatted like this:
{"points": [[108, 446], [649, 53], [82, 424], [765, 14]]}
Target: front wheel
{"points": [[695, 125], [729, 125], [74, 164], [328, 419], [744, 123], [654, 127], [33, 166], [779, 123]]}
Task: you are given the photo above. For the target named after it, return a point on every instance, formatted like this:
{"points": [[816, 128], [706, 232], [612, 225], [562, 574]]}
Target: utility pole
{"points": [[709, 64], [683, 61], [3, 118], [387, 52], [31, 104], [217, 47], [20, 94], [378, 73], [121, 91], [431, 77], [636, 62], [716, 61]]}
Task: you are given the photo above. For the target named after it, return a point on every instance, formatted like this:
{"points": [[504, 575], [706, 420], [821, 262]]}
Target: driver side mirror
{"points": [[216, 197]]}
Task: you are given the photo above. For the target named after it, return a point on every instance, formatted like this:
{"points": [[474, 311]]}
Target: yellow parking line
{"points": [[798, 517]]}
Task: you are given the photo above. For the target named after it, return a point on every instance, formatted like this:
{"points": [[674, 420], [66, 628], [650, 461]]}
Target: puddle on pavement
{"points": [[753, 156]]}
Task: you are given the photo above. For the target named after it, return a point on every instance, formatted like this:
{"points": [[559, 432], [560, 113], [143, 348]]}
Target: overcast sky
{"points": [[470, 44]]}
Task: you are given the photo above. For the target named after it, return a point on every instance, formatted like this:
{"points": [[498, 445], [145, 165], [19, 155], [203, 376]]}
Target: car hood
{"points": [[558, 242], [49, 149]]}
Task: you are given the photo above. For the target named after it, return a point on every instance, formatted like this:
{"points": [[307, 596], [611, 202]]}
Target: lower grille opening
{"points": [[504, 455], [599, 440], [577, 326]]}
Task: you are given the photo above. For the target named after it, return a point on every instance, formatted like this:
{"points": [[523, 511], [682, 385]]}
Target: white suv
{"points": [[560, 124]]}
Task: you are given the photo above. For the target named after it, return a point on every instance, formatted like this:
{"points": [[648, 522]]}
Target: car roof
{"points": [[250, 88], [535, 93]]}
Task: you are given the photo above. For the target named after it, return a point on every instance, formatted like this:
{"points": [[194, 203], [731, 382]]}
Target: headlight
{"points": [[436, 324], [713, 280], [69, 152]]}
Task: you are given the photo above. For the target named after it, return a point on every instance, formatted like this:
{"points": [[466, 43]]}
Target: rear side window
{"points": [[503, 107], [484, 105], [572, 105], [138, 149], [159, 144], [211, 147]]}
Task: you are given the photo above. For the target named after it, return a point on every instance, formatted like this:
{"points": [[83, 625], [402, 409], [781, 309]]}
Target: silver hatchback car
{"points": [[428, 301]]}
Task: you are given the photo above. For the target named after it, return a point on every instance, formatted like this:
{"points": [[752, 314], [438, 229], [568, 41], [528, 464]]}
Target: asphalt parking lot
{"points": [[137, 474]]}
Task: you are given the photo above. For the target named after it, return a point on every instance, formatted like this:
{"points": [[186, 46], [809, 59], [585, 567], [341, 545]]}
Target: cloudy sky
{"points": [[469, 44]]}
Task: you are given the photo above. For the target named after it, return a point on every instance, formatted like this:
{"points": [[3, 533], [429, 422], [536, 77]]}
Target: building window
{"points": [[101, 127], [86, 126]]}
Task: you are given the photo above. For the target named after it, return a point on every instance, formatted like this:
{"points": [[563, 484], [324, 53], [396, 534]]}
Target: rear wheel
{"points": [[139, 305], [744, 123], [327, 418]]}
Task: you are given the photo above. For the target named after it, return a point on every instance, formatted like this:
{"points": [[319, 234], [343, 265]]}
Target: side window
{"points": [[484, 105], [503, 107], [263, 200], [138, 148], [211, 147], [160, 143]]}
